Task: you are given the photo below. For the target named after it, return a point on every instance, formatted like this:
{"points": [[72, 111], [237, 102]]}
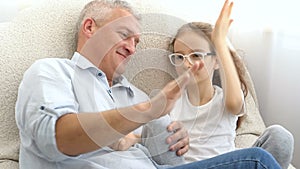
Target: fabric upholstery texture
{"points": [[48, 30]]}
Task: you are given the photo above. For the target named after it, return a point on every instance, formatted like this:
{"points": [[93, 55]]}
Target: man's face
{"points": [[113, 43]]}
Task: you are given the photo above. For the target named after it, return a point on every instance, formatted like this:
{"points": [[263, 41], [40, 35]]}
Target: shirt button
{"points": [[99, 74]]}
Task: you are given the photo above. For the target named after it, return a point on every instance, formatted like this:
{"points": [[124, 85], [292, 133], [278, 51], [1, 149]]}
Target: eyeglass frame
{"points": [[203, 54]]}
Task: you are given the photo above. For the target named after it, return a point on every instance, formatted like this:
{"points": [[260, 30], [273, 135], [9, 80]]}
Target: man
{"points": [[67, 113]]}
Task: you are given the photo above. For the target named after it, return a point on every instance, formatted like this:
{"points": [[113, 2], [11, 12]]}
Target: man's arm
{"points": [[85, 132]]}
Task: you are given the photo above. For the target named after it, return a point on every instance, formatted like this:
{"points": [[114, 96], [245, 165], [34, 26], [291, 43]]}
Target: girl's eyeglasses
{"points": [[177, 59]]}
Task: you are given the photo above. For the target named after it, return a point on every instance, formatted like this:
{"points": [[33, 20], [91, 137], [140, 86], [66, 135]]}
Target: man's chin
{"points": [[120, 70]]}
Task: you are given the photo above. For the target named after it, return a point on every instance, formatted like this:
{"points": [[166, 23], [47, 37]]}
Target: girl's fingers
{"points": [[225, 7], [230, 8]]}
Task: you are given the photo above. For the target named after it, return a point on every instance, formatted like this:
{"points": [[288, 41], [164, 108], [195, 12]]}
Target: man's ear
{"points": [[89, 27]]}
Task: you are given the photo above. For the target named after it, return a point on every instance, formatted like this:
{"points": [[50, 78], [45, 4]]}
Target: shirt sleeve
{"points": [[45, 94]]}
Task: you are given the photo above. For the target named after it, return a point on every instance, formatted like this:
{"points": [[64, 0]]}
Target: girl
{"points": [[209, 112]]}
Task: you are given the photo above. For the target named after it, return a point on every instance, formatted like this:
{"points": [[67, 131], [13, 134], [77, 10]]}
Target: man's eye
{"points": [[123, 35], [137, 40]]}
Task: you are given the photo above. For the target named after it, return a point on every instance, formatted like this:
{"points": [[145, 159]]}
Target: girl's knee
{"points": [[160, 124], [279, 132]]}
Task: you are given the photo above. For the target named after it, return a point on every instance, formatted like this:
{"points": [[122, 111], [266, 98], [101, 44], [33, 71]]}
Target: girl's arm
{"points": [[229, 75]]}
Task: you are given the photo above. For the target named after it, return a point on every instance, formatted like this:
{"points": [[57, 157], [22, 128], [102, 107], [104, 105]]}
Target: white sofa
{"points": [[48, 30]]}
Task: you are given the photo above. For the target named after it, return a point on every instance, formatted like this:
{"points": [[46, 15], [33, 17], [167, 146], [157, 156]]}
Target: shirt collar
{"points": [[84, 63], [81, 61], [121, 81]]}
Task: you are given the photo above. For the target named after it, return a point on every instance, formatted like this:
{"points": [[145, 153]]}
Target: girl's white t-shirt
{"points": [[210, 127]]}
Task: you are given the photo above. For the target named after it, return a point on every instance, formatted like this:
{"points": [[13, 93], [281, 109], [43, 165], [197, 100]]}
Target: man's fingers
{"points": [[194, 69], [174, 125], [180, 133], [185, 78], [181, 146], [183, 150], [182, 81]]}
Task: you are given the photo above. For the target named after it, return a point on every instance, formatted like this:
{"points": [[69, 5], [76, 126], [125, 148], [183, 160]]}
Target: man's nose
{"points": [[131, 45]]}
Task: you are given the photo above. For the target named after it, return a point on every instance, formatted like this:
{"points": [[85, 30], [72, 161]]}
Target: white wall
{"points": [[268, 31], [10, 8]]}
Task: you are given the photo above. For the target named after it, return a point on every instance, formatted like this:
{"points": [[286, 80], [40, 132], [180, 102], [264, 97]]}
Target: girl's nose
{"points": [[187, 63]]}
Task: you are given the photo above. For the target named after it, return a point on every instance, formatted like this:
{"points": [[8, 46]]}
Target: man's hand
{"points": [[180, 138], [126, 142], [164, 101]]}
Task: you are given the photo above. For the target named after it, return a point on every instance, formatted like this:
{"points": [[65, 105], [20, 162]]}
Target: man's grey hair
{"points": [[99, 10]]}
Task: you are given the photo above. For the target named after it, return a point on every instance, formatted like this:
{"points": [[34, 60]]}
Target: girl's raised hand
{"points": [[223, 23]]}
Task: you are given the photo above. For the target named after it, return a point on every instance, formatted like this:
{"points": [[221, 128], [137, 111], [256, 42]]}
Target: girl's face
{"points": [[188, 42]]}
